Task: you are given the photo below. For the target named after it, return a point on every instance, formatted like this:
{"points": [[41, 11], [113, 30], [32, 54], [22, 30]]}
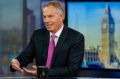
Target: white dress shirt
{"points": [[57, 35]]}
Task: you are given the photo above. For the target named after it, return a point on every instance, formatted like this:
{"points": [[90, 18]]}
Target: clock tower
{"points": [[108, 29]]}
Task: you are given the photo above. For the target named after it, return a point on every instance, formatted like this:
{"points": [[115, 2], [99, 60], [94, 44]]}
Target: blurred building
{"points": [[31, 23], [24, 28], [92, 59]]}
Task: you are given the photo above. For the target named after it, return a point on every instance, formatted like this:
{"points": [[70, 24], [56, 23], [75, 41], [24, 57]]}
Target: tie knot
{"points": [[53, 36]]}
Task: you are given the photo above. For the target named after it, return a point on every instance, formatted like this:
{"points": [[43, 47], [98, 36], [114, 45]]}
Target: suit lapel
{"points": [[60, 43]]}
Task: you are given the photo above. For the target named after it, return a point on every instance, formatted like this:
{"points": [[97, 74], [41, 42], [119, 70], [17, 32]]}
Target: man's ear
{"points": [[62, 17]]}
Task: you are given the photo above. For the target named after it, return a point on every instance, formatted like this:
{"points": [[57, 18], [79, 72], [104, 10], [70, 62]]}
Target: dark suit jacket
{"points": [[68, 53]]}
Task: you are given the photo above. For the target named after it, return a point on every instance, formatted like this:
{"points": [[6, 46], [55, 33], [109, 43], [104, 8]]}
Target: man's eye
{"points": [[50, 16], [44, 16]]}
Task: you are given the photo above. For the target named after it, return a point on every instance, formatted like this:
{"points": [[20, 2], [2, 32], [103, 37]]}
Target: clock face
{"points": [[111, 27], [104, 26]]}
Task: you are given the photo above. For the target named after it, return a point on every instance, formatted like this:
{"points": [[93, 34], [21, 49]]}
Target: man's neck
{"points": [[58, 28], [58, 32]]}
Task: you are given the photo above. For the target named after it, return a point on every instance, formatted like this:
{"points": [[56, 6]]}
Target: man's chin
{"points": [[50, 30]]}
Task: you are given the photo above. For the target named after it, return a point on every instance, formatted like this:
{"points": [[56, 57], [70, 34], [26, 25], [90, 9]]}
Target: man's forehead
{"points": [[49, 10], [49, 7]]}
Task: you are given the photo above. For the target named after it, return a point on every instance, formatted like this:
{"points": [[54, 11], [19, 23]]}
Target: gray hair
{"points": [[57, 4]]}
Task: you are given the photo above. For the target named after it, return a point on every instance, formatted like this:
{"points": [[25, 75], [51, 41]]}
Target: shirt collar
{"points": [[58, 32]]}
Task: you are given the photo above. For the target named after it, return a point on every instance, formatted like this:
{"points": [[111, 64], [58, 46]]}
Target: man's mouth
{"points": [[49, 25]]}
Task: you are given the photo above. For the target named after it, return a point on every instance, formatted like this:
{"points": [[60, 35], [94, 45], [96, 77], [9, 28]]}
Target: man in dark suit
{"points": [[67, 53]]}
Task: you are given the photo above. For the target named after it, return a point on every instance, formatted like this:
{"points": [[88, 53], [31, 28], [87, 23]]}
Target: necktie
{"points": [[50, 51]]}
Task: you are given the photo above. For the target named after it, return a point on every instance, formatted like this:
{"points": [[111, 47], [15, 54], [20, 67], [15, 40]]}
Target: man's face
{"points": [[52, 20]]}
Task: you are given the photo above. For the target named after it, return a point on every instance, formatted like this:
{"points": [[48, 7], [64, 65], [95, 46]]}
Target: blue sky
{"points": [[86, 17], [11, 12]]}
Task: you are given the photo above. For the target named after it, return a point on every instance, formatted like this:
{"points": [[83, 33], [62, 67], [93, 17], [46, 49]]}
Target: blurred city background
{"points": [[98, 21], [100, 24]]}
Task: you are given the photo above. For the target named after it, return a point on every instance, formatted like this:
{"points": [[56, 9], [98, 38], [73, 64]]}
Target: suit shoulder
{"points": [[40, 31], [73, 32]]}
